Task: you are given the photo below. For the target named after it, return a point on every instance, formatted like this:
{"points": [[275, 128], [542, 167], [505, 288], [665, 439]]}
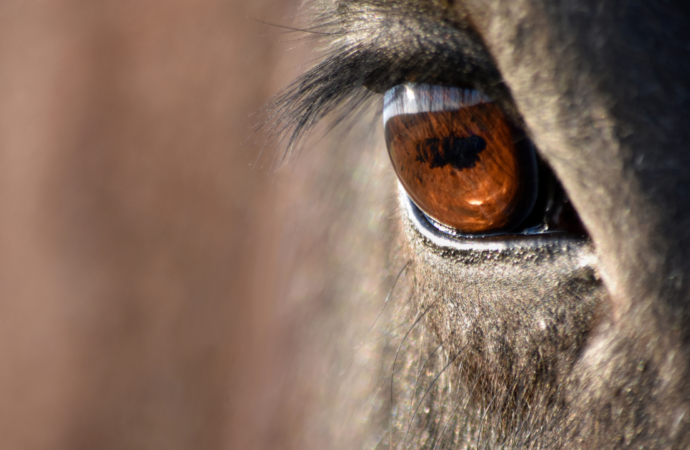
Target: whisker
{"points": [[429, 389], [450, 417], [482, 420], [419, 374], [311, 30], [390, 292], [397, 353]]}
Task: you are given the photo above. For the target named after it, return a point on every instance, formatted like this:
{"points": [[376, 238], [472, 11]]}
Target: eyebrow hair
{"points": [[372, 46]]}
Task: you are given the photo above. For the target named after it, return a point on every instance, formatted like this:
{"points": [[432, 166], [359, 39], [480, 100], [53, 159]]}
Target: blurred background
{"points": [[156, 286]]}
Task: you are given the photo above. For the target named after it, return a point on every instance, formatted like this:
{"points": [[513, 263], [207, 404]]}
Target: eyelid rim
{"points": [[503, 242], [413, 98]]}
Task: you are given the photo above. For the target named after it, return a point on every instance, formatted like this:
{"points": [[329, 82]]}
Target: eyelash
{"points": [[372, 46], [328, 88]]}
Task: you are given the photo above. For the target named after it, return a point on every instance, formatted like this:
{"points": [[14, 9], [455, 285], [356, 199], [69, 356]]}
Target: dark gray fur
{"points": [[540, 342]]}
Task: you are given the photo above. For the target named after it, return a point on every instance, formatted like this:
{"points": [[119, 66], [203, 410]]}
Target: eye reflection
{"points": [[458, 157]]}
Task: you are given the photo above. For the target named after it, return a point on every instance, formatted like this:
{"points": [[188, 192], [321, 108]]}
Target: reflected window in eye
{"points": [[459, 158]]}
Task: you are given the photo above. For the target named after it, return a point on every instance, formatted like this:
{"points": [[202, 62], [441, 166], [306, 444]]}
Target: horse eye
{"points": [[459, 158]]}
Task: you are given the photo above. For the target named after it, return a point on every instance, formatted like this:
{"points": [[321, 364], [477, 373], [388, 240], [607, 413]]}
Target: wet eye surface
{"points": [[459, 159]]}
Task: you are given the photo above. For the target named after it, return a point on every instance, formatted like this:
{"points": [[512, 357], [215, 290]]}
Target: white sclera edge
{"points": [[413, 98]]}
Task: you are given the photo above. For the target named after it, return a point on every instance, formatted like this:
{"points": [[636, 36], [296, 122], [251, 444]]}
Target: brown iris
{"points": [[465, 169]]}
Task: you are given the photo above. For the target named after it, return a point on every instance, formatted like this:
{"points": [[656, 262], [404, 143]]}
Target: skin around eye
{"points": [[458, 157]]}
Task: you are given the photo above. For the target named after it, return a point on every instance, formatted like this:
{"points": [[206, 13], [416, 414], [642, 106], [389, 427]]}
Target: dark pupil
{"points": [[458, 152]]}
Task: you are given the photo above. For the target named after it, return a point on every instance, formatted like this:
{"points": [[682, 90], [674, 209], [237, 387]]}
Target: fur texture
{"points": [[553, 343]]}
